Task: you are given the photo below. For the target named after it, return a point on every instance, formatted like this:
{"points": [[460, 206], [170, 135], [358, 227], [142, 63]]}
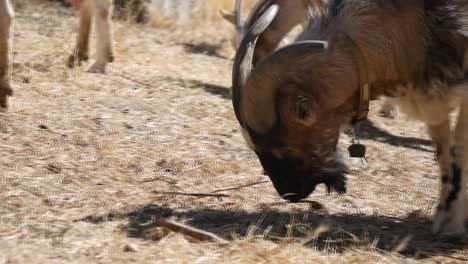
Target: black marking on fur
{"points": [[445, 179], [453, 151], [445, 60], [335, 6], [438, 152], [456, 180], [440, 207]]}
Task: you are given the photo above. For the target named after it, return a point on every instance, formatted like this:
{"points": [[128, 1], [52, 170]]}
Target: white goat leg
{"points": [[104, 51], [450, 216], [6, 21], [441, 136]]}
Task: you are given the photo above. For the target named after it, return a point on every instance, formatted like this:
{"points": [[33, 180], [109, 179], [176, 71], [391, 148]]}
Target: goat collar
{"points": [[364, 85]]}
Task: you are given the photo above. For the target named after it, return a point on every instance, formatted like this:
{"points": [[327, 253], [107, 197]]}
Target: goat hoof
{"points": [[391, 114], [447, 224], [71, 61], [3, 103], [97, 68], [111, 58], [75, 60], [5, 91]]}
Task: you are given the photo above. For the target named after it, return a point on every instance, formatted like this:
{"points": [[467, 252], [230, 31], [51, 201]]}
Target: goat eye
{"points": [[305, 111], [302, 111]]}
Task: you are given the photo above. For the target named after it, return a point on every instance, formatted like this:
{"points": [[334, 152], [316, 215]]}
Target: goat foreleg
{"points": [[6, 21], [450, 215], [104, 50], [80, 53]]}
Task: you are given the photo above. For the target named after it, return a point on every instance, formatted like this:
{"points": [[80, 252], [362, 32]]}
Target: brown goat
{"points": [[292, 105]]}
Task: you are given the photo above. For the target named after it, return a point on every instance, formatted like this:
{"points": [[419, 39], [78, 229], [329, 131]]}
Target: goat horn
{"points": [[239, 24], [243, 60], [258, 9], [257, 102]]}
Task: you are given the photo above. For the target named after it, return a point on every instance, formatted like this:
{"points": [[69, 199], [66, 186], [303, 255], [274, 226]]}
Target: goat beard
{"points": [[335, 178], [335, 182]]}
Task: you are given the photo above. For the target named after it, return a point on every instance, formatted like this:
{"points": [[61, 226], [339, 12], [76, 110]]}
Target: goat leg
{"points": [[450, 215], [104, 50], [80, 53], [6, 21]]}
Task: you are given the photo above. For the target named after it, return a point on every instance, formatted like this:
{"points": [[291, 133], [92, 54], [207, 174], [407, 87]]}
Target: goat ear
{"points": [[228, 16], [305, 110]]}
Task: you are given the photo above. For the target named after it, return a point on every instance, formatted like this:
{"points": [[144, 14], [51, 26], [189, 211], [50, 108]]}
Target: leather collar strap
{"points": [[364, 97]]}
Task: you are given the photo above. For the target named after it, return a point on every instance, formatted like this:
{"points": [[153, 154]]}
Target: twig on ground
{"points": [[403, 221], [192, 232], [127, 77], [240, 187], [193, 194], [315, 234]]}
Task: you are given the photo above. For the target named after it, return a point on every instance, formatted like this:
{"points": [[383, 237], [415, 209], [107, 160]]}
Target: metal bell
{"points": [[357, 150]]}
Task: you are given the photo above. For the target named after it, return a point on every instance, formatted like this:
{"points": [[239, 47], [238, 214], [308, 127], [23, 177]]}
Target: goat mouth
{"points": [[294, 182], [334, 175], [293, 197], [296, 188]]}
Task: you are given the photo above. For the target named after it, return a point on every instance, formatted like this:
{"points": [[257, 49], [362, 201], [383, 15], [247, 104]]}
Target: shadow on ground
{"points": [[204, 48], [409, 236], [369, 131], [217, 90]]}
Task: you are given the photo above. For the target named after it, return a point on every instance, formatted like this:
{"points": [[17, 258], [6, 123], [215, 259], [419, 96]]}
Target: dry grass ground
{"points": [[193, 12], [89, 163]]}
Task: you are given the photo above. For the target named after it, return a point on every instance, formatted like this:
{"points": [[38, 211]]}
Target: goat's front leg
{"points": [[450, 214], [6, 21], [80, 53], [104, 50]]}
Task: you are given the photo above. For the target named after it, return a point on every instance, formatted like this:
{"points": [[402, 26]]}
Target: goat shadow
{"points": [[410, 236]]}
